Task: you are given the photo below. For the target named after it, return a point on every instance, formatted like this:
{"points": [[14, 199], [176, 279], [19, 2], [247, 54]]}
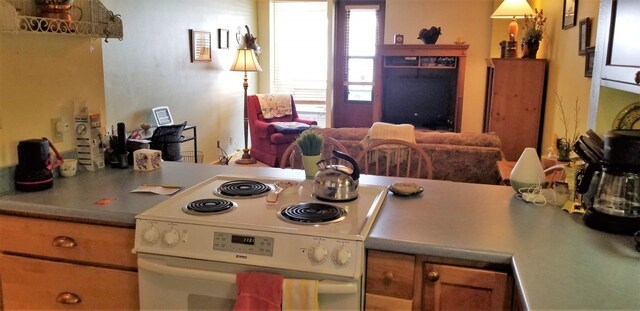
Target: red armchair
{"points": [[267, 144]]}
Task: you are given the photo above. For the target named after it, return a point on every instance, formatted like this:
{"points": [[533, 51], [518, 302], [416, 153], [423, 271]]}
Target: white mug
{"points": [[69, 167]]}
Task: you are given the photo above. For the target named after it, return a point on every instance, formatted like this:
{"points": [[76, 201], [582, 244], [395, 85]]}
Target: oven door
{"points": [[187, 284]]}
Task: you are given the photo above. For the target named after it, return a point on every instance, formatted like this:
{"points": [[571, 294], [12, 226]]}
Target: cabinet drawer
{"points": [[65, 240], [29, 284], [384, 303], [390, 274]]}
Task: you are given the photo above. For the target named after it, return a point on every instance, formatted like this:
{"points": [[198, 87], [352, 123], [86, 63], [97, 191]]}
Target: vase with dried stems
{"points": [[565, 144]]}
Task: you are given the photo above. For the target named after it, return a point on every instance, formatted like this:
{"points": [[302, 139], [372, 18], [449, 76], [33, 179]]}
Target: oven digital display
{"points": [[239, 239], [256, 245]]}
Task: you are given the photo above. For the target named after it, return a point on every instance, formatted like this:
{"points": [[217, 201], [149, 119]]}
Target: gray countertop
{"points": [[558, 263]]}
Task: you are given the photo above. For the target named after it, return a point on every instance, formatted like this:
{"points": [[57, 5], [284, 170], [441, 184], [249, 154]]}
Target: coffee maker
{"points": [[34, 170], [612, 181]]}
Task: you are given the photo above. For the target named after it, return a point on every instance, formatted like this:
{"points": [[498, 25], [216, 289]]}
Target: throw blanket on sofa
{"points": [[275, 105], [381, 130]]}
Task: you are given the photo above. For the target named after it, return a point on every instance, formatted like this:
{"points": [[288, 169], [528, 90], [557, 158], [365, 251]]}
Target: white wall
{"points": [[45, 76], [151, 67]]}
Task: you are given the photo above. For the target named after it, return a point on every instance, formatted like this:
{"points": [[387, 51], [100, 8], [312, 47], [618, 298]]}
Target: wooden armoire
{"points": [[514, 103]]}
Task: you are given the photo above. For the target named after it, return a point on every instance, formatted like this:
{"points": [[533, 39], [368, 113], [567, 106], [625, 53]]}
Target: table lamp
{"points": [[246, 61], [513, 9]]}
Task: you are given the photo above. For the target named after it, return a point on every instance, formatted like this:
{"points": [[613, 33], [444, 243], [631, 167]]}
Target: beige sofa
{"points": [[462, 157]]}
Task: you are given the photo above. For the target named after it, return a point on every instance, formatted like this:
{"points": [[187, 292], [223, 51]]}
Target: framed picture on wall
{"points": [[569, 13], [584, 36], [223, 38], [588, 61], [200, 45]]}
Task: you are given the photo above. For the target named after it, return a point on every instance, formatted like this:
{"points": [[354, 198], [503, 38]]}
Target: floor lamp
{"points": [[246, 61]]}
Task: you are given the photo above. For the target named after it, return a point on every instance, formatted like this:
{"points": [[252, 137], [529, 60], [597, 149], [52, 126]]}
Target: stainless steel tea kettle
{"points": [[336, 182]]}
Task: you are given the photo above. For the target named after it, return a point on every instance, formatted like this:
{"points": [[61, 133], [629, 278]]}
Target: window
{"points": [[360, 46], [300, 50]]}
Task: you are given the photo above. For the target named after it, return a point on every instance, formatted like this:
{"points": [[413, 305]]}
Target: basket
{"points": [[190, 156]]}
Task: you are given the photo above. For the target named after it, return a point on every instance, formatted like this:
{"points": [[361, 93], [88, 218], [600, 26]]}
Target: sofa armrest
{"points": [[305, 121], [264, 129]]}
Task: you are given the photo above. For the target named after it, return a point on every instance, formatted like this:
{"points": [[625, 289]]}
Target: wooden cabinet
{"points": [[458, 288], [619, 24], [421, 85], [514, 103], [409, 282], [47, 264]]}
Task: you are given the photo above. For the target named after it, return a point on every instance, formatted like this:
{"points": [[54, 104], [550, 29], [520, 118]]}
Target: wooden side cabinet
{"points": [[514, 103], [413, 282], [47, 264]]}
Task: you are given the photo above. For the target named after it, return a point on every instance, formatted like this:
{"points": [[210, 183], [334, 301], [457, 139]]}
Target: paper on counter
{"points": [[158, 189]]}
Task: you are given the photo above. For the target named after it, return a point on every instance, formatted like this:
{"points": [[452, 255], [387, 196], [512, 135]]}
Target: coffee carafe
{"points": [[615, 206]]}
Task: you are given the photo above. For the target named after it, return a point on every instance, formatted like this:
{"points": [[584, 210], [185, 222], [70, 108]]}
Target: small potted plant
{"points": [[310, 144], [533, 33]]}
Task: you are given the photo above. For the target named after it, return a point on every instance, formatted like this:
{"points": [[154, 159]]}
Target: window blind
{"points": [[300, 49]]}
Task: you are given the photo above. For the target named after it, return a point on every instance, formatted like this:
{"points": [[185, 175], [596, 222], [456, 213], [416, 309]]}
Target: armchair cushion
{"points": [[290, 127]]}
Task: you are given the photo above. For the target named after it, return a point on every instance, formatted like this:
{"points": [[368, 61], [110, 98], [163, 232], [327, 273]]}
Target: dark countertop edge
{"points": [[74, 219], [418, 248]]}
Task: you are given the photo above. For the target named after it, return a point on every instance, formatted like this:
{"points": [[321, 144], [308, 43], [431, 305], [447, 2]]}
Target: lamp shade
{"points": [[246, 60], [513, 9]]}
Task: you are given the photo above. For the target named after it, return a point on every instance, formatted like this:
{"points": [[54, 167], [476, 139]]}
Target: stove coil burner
{"points": [[243, 189], [208, 207], [312, 213]]}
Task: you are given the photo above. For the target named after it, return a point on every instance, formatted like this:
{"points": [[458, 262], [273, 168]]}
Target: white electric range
{"points": [[191, 245]]}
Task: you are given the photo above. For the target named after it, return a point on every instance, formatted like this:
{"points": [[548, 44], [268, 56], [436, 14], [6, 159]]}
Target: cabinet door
{"points": [[514, 103], [622, 67], [457, 288]]}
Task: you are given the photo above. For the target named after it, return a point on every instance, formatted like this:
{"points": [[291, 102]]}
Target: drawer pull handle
{"points": [[64, 241], [387, 278], [68, 298], [433, 276], [637, 77]]}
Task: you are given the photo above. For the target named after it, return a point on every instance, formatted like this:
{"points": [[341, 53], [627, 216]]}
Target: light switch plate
{"points": [[56, 136]]}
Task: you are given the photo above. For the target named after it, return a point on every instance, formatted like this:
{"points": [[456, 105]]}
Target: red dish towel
{"points": [[258, 291]]}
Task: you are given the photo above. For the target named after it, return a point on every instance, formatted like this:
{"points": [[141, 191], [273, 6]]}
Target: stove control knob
{"points": [[341, 256], [171, 237], [151, 235], [318, 253]]}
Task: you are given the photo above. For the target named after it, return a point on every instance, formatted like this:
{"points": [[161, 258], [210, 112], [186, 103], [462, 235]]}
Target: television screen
{"points": [[425, 102]]}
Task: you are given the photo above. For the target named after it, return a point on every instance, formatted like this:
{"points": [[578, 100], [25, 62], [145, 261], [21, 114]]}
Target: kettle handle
{"points": [[356, 171], [51, 166]]}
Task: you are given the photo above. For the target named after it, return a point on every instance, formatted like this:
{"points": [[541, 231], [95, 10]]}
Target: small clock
{"points": [[398, 39]]}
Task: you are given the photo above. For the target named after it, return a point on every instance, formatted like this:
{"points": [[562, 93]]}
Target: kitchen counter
{"points": [[558, 263], [76, 198]]}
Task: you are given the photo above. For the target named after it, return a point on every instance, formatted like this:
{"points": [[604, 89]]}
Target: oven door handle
{"points": [[324, 286]]}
